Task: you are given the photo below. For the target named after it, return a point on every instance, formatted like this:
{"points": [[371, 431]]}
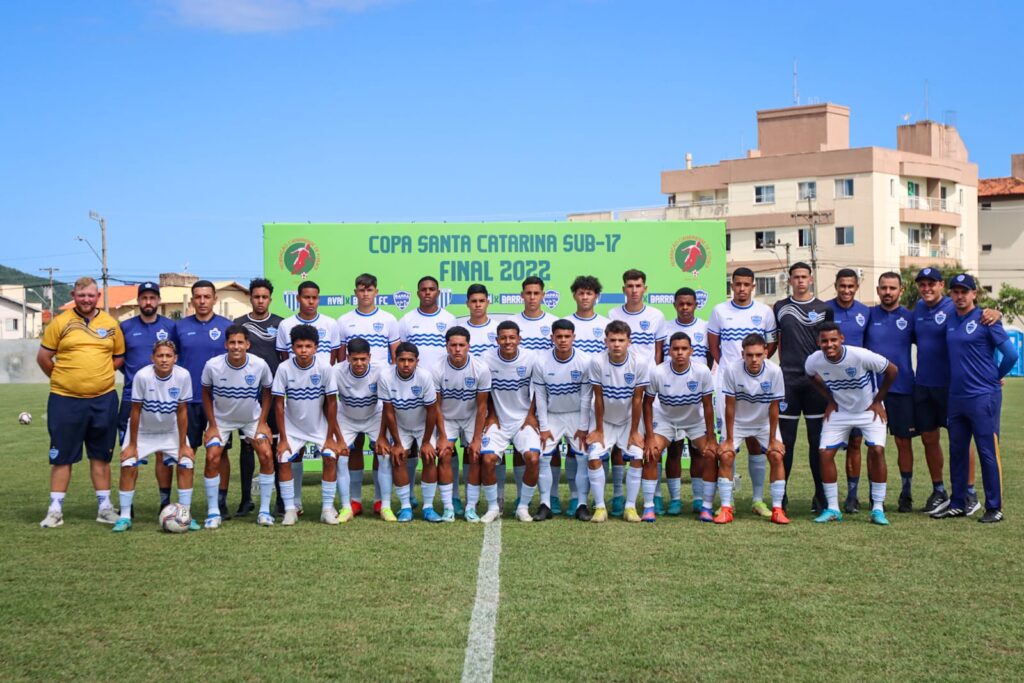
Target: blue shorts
{"points": [[900, 410], [931, 407], [77, 422], [123, 414]]}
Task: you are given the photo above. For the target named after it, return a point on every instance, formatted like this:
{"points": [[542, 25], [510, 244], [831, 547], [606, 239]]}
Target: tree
{"points": [[1010, 302]]}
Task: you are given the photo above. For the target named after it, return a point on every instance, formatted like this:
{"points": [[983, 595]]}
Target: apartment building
{"points": [[1001, 228]]}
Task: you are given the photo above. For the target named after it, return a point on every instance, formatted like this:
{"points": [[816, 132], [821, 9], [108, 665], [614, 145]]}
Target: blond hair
{"points": [[85, 281]]}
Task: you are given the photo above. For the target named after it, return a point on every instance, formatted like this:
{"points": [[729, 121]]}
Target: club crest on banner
{"points": [[401, 299], [702, 298], [551, 298]]}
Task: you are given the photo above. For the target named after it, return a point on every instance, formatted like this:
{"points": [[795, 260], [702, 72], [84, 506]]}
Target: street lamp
{"points": [[103, 259]]}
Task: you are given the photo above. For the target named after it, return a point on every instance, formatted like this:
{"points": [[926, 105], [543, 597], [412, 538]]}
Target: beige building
{"points": [[19, 318], [877, 209], [1001, 228], [176, 297]]}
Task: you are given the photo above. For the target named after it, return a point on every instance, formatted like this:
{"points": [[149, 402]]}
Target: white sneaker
{"points": [[212, 522], [290, 518], [523, 515], [329, 516], [265, 519], [53, 519], [491, 515], [107, 515]]}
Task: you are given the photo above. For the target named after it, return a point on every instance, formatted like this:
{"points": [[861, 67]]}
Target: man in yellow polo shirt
{"points": [[81, 349]]}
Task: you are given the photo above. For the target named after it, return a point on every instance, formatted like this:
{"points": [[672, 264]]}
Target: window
{"points": [[808, 190], [986, 206], [844, 235], [987, 288], [986, 248], [892, 187], [764, 239], [728, 242], [11, 324], [764, 194], [671, 200], [844, 188], [892, 235], [728, 288], [913, 189], [765, 286], [804, 237], [961, 197]]}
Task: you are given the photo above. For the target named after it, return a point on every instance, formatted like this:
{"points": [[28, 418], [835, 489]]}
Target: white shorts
{"points": [[616, 435], [676, 432], [165, 443], [350, 430], [718, 399], [741, 434], [409, 439], [496, 439], [248, 430], [563, 426], [297, 442], [835, 431], [458, 430]]}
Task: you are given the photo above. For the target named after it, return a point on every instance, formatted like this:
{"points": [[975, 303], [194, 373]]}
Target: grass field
{"points": [[678, 600]]}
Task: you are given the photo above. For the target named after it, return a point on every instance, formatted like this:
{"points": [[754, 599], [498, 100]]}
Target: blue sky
{"points": [[189, 123]]}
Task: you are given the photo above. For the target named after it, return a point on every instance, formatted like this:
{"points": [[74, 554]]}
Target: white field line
{"points": [[478, 665]]}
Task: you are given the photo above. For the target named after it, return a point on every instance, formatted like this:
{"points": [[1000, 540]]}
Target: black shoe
{"points": [[244, 508], [937, 502], [543, 514], [583, 513], [947, 512], [852, 505], [225, 514], [785, 503], [906, 504], [991, 517], [972, 505]]}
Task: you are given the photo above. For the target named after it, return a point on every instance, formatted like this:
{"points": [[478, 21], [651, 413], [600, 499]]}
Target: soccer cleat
{"points": [[851, 505], [574, 505], [122, 525], [937, 502], [724, 515], [649, 516], [949, 511], [448, 515], [471, 516], [265, 519], [430, 515], [675, 508], [491, 515], [523, 514], [378, 508], [659, 506], [290, 517], [412, 500], [357, 508], [697, 506], [991, 517], [458, 509], [829, 515], [405, 515], [600, 515], [618, 506], [299, 510], [906, 504], [779, 516], [212, 522], [705, 515], [388, 515], [244, 508], [194, 526], [556, 505], [760, 509], [52, 520], [631, 515], [345, 515], [544, 513], [972, 505], [224, 512], [878, 517], [583, 513], [107, 516], [329, 515]]}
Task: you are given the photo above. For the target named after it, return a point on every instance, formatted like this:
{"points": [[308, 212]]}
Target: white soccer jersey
{"points": [[732, 323], [510, 386], [357, 394], [698, 332], [534, 333], [618, 381], [645, 329], [160, 397], [326, 327], [589, 334], [426, 331], [680, 394], [236, 391], [379, 329], [563, 386], [458, 388], [410, 398], [305, 390], [482, 338], [851, 379], [754, 394]]}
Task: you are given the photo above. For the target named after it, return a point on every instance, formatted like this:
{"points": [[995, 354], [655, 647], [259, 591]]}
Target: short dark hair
{"points": [[800, 265], [307, 284], [754, 339], [199, 284], [847, 272], [235, 328], [618, 327], [366, 280], [829, 326], [477, 288], [305, 333], [507, 325], [586, 282], [357, 345], [634, 274], [406, 347], [742, 272], [676, 336], [685, 291], [457, 331], [563, 324], [890, 275], [533, 280], [165, 342], [427, 278], [261, 282]]}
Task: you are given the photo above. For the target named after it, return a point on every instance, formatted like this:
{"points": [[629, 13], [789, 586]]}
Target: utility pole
{"points": [[51, 270], [812, 218], [103, 248]]}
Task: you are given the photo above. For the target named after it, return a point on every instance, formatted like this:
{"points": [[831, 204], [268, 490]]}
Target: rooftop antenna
{"points": [[796, 88]]}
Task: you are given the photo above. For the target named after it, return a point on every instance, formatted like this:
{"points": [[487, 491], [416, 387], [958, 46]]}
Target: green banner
{"points": [[673, 254]]}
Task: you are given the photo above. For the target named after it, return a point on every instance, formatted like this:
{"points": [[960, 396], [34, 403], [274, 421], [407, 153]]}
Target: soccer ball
{"points": [[25, 418], [175, 518]]}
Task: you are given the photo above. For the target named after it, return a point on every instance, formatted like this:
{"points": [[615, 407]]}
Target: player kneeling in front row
{"points": [[359, 416], [410, 416], [305, 404], [236, 395], [845, 376], [158, 424], [753, 389], [685, 412]]}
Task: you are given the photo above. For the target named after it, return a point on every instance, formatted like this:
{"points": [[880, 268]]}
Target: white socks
{"points": [[185, 497], [525, 496], [126, 498], [344, 488], [633, 476], [327, 489], [650, 487], [103, 498], [707, 495], [266, 491], [582, 480], [556, 475], [56, 501], [355, 485], [385, 481], [596, 480], [428, 489], [544, 480], [757, 466], [618, 472], [403, 496], [491, 494], [473, 495], [297, 483], [212, 486], [778, 492], [518, 471], [675, 484], [877, 495], [832, 495], [725, 491], [446, 496]]}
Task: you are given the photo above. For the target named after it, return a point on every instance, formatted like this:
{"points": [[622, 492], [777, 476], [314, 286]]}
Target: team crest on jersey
{"points": [[470, 382], [851, 372], [756, 319], [971, 327], [215, 333], [161, 335], [940, 317], [441, 327], [272, 331], [175, 392], [766, 387], [645, 325], [315, 379], [812, 316], [521, 371], [545, 330], [901, 323], [699, 336], [373, 387], [401, 299], [250, 379], [629, 377], [575, 375], [491, 337], [859, 318], [321, 332], [417, 390], [692, 385], [551, 298], [378, 327], [102, 333], [598, 332]]}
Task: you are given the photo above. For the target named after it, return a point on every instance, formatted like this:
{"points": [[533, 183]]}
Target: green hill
{"points": [[13, 276]]}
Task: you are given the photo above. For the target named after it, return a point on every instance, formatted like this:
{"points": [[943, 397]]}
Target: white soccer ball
{"points": [[25, 417], [175, 518]]}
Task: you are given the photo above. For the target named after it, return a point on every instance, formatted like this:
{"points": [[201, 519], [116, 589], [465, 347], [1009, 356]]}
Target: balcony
{"points": [[698, 210], [930, 210], [919, 255]]}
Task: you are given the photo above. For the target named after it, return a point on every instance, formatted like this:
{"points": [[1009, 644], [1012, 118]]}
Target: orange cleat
{"points": [[724, 515], [779, 516], [357, 508], [376, 507]]}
